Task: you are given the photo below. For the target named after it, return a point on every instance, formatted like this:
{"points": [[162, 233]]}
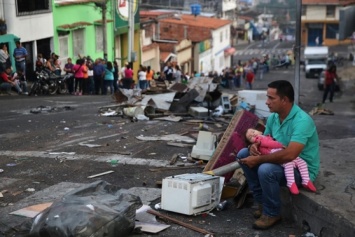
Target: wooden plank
{"points": [[100, 174]]}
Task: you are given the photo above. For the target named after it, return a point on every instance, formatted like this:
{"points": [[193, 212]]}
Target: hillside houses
{"points": [[210, 40]]}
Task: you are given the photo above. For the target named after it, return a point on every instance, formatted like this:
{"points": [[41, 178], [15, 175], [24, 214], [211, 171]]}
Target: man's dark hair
{"points": [[283, 89]]}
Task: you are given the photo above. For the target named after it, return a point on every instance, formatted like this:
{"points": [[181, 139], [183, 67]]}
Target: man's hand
{"points": [[251, 161], [254, 149]]}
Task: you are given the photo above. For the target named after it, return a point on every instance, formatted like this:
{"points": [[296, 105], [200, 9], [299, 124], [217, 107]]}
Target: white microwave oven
{"points": [[191, 194]]}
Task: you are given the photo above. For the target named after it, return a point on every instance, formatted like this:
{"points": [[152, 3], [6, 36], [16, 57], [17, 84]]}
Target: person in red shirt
{"points": [[127, 81], [249, 78], [329, 83], [79, 69], [7, 82]]}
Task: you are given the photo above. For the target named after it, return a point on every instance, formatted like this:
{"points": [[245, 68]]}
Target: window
{"points": [[31, 7], [330, 11], [63, 47], [99, 38], [221, 37], [78, 42], [304, 10], [332, 31]]}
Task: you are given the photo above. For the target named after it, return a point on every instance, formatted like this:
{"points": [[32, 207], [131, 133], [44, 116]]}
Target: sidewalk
{"points": [[330, 211]]}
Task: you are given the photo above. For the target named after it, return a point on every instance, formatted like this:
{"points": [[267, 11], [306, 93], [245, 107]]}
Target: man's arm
{"points": [[5, 78], [291, 152]]}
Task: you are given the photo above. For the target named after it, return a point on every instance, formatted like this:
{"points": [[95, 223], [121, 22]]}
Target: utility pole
{"points": [[130, 31], [104, 27], [297, 50]]}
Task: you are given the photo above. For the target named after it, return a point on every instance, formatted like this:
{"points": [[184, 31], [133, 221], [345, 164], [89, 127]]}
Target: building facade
{"points": [[327, 22], [79, 30], [32, 23], [210, 39]]}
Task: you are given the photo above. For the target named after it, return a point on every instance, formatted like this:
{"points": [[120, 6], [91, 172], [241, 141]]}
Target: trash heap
{"points": [[201, 98]]}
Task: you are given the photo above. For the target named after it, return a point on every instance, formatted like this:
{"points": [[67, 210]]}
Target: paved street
{"points": [[52, 146]]}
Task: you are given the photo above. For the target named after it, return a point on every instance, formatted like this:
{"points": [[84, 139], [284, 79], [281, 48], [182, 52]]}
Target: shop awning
{"points": [[230, 51], [73, 26]]}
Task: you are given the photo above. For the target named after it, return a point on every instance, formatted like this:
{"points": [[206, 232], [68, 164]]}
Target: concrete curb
{"points": [[320, 220], [330, 211]]}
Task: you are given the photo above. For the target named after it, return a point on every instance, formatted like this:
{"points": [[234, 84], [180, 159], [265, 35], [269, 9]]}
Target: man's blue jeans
{"points": [[265, 181], [5, 86], [21, 65]]}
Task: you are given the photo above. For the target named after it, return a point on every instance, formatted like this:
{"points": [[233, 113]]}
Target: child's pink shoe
{"points": [[310, 186], [294, 189]]}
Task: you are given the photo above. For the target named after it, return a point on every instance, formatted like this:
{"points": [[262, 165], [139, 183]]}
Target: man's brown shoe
{"points": [[265, 222], [257, 214]]}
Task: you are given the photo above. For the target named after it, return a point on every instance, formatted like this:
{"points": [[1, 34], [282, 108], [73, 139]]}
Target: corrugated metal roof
{"points": [[199, 21], [185, 19]]}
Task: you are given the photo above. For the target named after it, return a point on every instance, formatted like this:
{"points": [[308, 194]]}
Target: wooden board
{"points": [[32, 211]]}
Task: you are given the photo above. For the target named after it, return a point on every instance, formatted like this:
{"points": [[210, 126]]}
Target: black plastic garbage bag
{"points": [[96, 210]]}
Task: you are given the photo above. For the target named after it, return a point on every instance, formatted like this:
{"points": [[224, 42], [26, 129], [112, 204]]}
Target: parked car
{"points": [[321, 82]]}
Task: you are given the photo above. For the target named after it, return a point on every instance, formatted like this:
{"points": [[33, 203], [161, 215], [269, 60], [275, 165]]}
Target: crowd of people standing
{"points": [[244, 73], [100, 77]]}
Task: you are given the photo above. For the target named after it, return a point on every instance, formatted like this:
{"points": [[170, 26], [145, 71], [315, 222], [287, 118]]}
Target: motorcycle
{"points": [[47, 83]]}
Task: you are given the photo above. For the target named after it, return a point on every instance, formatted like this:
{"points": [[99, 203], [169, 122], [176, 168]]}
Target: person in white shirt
{"points": [[142, 77]]}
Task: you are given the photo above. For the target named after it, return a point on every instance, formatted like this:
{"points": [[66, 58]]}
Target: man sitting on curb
{"points": [[7, 82], [19, 78], [296, 130]]}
